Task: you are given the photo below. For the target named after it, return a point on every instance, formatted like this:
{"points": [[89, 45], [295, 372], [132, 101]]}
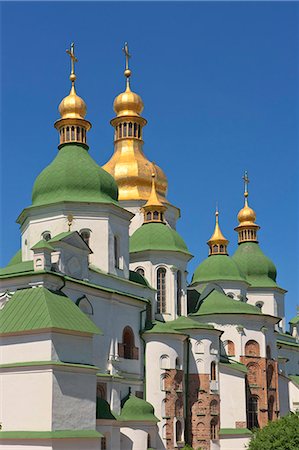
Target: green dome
{"points": [[257, 268], [157, 236], [137, 409], [74, 176], [217, 268]]}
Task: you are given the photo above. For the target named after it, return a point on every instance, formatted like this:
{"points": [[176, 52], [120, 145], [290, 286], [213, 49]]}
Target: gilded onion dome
{"points": [[128, 165], [72, 106], [247, 228], [217, 242]]}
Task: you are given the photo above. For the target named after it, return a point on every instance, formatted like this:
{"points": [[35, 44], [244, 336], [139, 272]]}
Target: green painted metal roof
{"points": [[295, 320], [103, 410], [294, 378], [42, 244], [177, 326], [74, 176], [234, 431], [59, 434], [258, 269], [218, 303], [19, 268], [16, 259], [235, 365], [157, 236], [137, 409], [217, 268], [38, 308], [138, 278]]}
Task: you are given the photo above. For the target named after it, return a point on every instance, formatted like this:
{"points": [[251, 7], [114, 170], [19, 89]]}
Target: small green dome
{"points": [[157, 236], [217, 268], [137, 409], [258, 269], [74, 176]]}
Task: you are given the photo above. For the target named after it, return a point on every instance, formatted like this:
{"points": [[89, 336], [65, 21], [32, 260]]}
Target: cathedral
{"points": [[105, 344]]}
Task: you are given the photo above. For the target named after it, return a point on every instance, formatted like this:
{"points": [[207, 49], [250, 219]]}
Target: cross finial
{"points": [[216, 212], [127, 70], [71, 53], [246, 182]]}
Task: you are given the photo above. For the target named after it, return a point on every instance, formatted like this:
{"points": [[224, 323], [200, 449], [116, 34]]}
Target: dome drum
{"points": [[247, 233], [128, 128], [72, 130]]}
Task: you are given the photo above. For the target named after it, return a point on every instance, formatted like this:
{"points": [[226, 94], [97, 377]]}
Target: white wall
{"points": [[234, 443], [233, 397]]}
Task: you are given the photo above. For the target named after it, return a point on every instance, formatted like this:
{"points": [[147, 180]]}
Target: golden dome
{"points": [[246, 215], [217, 242], [72, 106], [128, 103], [247, 228]]}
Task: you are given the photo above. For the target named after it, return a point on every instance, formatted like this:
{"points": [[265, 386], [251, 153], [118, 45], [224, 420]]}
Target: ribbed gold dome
{"points": [[128, 104], [72, 106]]}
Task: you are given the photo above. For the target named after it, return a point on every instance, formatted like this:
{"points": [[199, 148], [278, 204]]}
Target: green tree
{"points": [[283, 434]]}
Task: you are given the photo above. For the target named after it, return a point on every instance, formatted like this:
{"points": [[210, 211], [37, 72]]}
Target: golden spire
{"points": [[72, 126], [153, 209], [247, 227], [128, 165], [217, 242]]}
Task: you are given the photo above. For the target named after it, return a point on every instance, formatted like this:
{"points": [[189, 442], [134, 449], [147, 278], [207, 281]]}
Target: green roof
{"points": [[235, 365], [157, 236], [138, 278], [59, 434], [295, 320], [61, 236], [103, 410], [74, 176], [137, 409], [234, 431], [16, 259], [42, 244], [21, 267], [294, 378], [218, 303], [258, 269], [217, 268], [177, 326], [38, 308], [288, 343]]}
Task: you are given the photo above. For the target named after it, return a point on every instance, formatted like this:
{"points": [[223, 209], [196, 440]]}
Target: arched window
{"points": [[230, 348], [270, 372], [214, 407], [221, 248], [259, 305], [73, 133], [116, 252], [252, 348], [156, 215], [135, 129], [165, 382], [213, 371], [213, 428], [178, 431], [130, 129], [164, 362], [128, 343], [139, 131], [85, 234], [161, 290], [148, 216], [120, 130], [164, 407], [101, 391], [140, 270], [46, 235], [253, 373], [178, 292], [268, 352], [148, 440], [164, 432], [67, 133], [270, 408], [125, 130], [252, 412]]}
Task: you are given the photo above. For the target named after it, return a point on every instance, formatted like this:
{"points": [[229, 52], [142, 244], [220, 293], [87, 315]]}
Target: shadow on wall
{"points": [[125, 442]]}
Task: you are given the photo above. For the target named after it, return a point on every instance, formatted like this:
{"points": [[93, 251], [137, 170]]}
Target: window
{"points": [[164, 407], [230, 348], [148, 441], [116, 252], [259, 305], [165, 381], [67, 133], [177, 363], [140, 271], [214, 407], [161, 290], [85, 234], [135, 129], [156, 215], [178, 431], [128, 343], [270, 408], [252, 412], [213, 371], [213, 428], [164, 362], [73, 133], [178, 408], [103, 443], [253, 373], [178, 292], [130, 129], [252, 348], [46, 235], [149, 216], [125, 130]]}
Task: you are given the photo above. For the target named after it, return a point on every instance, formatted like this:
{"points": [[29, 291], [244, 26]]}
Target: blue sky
{"points": [[219, 82]]}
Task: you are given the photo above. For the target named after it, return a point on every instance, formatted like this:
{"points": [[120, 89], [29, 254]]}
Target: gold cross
{"points": [[246, 181], [71, 52], [128, 56]]}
